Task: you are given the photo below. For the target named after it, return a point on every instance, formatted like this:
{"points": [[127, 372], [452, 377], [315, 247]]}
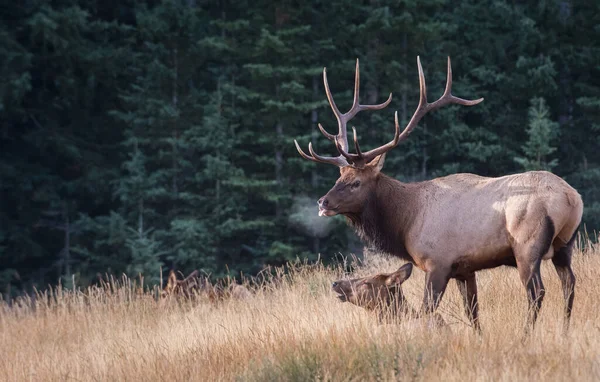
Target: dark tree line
{"points": [[141, 134]]}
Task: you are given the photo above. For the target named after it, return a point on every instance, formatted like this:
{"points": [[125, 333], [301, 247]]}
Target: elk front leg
{"points": [[435, 286], [468, 289], [562, 263]]}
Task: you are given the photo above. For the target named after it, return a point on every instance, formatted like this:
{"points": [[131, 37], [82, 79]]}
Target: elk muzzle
{"points": [[343, 289], [325, 208]]}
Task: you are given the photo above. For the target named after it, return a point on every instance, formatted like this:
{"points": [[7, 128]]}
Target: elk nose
{"points": [[334, 284], [323, 202]]}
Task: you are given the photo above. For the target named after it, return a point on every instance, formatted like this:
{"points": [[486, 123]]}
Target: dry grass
{"points": [[297, 330]]}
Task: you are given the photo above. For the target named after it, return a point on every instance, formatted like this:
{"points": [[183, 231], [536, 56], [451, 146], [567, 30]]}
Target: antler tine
{"points": [[338, 161], [355, 160], [355, 103], [302, 153], [447, 98], [372, 154], [356, 146], [331, 137], [343, 153], [423, 108], [356, 106], [338, 115], [377, 107], [423, 84], [397, 133], [448, 89], [334, 107]]}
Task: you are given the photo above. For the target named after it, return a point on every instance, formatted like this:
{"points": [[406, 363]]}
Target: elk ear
{"points": [[172, 277], [191, 276], [401, 275], [171, 281], [377, 163], [190, 281]]}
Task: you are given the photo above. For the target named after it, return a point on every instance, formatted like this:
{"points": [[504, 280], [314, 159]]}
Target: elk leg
{"points": [[562, 264], [532, 280], [468, 290], [435, 286], [528, 255]]}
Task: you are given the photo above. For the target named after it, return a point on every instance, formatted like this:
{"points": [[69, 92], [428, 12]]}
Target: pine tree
{"points": [[541, 132], [135, 135], [54, 139], [280, 90], [580, 110]]}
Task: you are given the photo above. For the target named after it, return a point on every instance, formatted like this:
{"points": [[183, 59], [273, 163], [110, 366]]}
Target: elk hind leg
{"points": [[468, 290], [529, 256], [531, 278], [562, 264]]}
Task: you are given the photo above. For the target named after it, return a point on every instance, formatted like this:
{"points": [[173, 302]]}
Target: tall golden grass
{"points": [[295, 329]]}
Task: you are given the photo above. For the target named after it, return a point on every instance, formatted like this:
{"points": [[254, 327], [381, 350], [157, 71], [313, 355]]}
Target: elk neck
{"points": [[386, 216], [395, 305]]}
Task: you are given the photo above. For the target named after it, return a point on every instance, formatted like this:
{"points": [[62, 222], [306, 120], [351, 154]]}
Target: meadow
{"points": [[293, 328]]}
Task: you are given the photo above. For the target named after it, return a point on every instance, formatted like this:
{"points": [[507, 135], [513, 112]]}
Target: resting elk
{"points": [[454, 226], [381, 294], [195, 285]]}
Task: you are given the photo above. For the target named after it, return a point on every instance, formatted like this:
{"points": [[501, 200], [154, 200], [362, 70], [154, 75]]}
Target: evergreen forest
{"points": [[148, 134]]}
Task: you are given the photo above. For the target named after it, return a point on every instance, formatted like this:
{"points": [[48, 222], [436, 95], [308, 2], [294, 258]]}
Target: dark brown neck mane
{"points": [[385, 217]]}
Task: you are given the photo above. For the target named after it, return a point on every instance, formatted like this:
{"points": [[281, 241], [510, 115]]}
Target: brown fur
{"points": [[196, 286], [381, 294], [454, 226], [186, 287]]}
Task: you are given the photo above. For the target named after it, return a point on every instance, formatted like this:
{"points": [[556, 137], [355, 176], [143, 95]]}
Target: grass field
{"points": [[295, 329]]}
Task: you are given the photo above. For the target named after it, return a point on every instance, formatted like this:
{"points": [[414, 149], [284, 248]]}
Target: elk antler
{"points": [[424, 107], [341, 139], [360, 159]]}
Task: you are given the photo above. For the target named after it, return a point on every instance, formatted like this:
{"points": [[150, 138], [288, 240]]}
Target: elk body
{"points": [[454, 226], [194, 285]]}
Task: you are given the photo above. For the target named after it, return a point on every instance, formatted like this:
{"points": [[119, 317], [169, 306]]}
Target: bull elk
{"points": [[454, 226]]}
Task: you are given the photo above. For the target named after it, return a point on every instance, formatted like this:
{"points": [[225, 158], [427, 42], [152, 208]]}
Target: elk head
{"points": [[375, 292], [185, 287], [360, 171]]}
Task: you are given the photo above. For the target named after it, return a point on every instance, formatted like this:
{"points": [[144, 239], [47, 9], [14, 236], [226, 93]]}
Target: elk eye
{"points": [[355, 184]]}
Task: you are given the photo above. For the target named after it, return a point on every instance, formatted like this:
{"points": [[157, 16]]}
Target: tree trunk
{"points": [[218, 155], [175, 101], [278, 164], [141, 218], [566, 101], [67, 250]]}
